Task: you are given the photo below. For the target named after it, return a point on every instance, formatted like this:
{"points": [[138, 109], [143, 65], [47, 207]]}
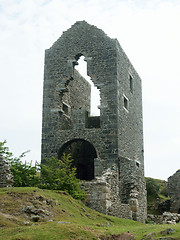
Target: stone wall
{"points": [[107, 149], [132, 187], [6, 178], [165, 218], [174, 192], [102, 194]]}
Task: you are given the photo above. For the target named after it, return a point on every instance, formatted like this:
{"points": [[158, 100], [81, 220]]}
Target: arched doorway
{"points": [[83, 154]]}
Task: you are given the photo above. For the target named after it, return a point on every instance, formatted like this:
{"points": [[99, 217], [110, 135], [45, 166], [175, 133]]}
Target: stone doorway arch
{"points": [[83, 154]]}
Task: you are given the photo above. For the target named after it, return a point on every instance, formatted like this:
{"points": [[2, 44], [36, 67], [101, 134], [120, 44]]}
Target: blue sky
{"points": [[148, 31]]}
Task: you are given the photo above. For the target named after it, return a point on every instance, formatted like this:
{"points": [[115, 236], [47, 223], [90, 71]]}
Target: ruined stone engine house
{"points": [[107, 149]]}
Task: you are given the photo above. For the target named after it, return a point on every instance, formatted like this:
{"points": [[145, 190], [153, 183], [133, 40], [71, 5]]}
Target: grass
{"points": [[157, 197], [80, 222]]}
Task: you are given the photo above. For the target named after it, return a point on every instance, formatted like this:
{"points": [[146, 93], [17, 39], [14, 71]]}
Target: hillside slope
{"points": [[32, 213], [158, 200]]}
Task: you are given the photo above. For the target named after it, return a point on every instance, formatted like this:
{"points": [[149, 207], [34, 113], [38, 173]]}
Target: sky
{"points": [[148, 31]]}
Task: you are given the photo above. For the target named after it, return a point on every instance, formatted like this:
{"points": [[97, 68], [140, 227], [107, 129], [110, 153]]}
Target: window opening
{"points": [[126, 103], [137, 164], [65, 109], [131, 83], [95, 92]]}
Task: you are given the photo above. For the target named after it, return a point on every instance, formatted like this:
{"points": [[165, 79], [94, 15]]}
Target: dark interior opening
{"points": [[131, 83], [126, 103], [65, 109], [93, 122], [83, 154]]}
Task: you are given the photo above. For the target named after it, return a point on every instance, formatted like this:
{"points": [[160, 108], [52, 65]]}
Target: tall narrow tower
{"points": [[107, 149]]}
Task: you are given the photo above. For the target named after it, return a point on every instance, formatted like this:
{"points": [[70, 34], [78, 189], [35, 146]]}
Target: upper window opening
{"points": [[95, 93], [137, 164], [126, 103], [65, 109], [131, 83]]}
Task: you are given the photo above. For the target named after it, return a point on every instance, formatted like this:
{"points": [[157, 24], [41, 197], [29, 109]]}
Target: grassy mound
{"points": [[157, 194], [32, 213]]}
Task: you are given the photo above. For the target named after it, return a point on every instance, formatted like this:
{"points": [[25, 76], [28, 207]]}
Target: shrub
{"points": [[5, 151], [24, 175], [60, 175], [55, 174]]}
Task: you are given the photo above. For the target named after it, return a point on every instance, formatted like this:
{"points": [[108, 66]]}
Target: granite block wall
{"points": [[107, 149], [6, 178]]}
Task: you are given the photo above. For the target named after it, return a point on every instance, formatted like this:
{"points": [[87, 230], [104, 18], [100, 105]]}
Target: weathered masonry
{"points": [[174, 192], [107, 149], [6, 178]]}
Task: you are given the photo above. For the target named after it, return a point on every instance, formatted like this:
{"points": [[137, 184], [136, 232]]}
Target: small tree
{"points": [[24, 175], [5, 151], [60, 175]]}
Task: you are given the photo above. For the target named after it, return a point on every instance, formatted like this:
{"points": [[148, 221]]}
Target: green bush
{"points": [[24, 174], [4, 151], [55, 174], [60, 175]]}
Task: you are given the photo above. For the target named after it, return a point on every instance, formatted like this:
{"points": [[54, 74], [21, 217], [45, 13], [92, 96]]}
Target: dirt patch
{"points": [[8, 216], [122, 236]]}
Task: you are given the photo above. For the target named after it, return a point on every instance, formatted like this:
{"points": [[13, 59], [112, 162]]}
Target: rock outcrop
{"points": [[165, 218], [174, 192]]}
